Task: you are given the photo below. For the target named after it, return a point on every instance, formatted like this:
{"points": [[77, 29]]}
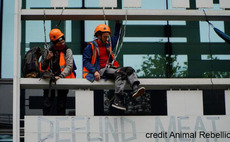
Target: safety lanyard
{"points": [[118, 48]]}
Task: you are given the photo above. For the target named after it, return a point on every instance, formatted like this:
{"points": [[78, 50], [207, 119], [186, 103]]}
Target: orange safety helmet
{"points": [[102, 28], [55, 34]]}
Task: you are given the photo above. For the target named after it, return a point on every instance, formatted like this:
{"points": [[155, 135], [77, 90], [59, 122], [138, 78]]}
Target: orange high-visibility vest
{"points": [[93, 60], [62, 65], [94, 57]]}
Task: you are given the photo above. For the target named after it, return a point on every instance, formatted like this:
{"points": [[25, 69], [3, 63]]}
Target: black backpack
{"points": [[30, 63], [31, 67]]}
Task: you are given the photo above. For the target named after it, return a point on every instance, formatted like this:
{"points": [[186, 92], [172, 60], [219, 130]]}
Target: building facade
{"points": [[156, 49]]}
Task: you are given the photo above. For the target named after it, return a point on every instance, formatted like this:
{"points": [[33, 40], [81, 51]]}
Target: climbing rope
{"points": [[44, 27], [118, 47], [60, 20]]}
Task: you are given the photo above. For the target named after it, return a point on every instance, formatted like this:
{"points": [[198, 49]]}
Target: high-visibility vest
{"points": [[62, 65], [94, 57]]}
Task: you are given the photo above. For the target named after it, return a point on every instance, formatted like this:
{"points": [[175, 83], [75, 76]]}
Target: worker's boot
{"points": [[138, 91], [118, 102]]}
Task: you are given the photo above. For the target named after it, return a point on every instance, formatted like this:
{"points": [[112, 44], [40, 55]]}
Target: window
{"points": [[214, 102]]}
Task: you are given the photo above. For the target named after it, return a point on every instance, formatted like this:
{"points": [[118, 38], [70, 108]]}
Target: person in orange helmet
{"points": [[99, 62], [58, 60]]}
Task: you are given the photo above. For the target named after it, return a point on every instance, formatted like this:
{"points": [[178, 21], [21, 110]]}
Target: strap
{"points": [[52, 79], [96, 45], [55, 87], [94, 56], [53, 107], [108, 101], [50, 86], [107, 50]]}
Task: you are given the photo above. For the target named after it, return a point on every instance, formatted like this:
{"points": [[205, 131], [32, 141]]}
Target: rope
{"points": [[118, 48], [210, 49], [104, 15], [60, 20], [207, 19], [107, 62], [46, 45], [118, 41]]}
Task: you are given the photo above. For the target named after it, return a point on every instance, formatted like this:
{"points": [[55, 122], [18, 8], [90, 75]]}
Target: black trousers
{"points": [[54, 105]]}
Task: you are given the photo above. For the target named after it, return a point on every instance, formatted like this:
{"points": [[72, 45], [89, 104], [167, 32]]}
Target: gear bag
{"points": [[30, 63]]}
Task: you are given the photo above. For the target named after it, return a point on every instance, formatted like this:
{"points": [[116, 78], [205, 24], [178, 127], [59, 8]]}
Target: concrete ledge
{"points": [[119, 14], [155, 84]]}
